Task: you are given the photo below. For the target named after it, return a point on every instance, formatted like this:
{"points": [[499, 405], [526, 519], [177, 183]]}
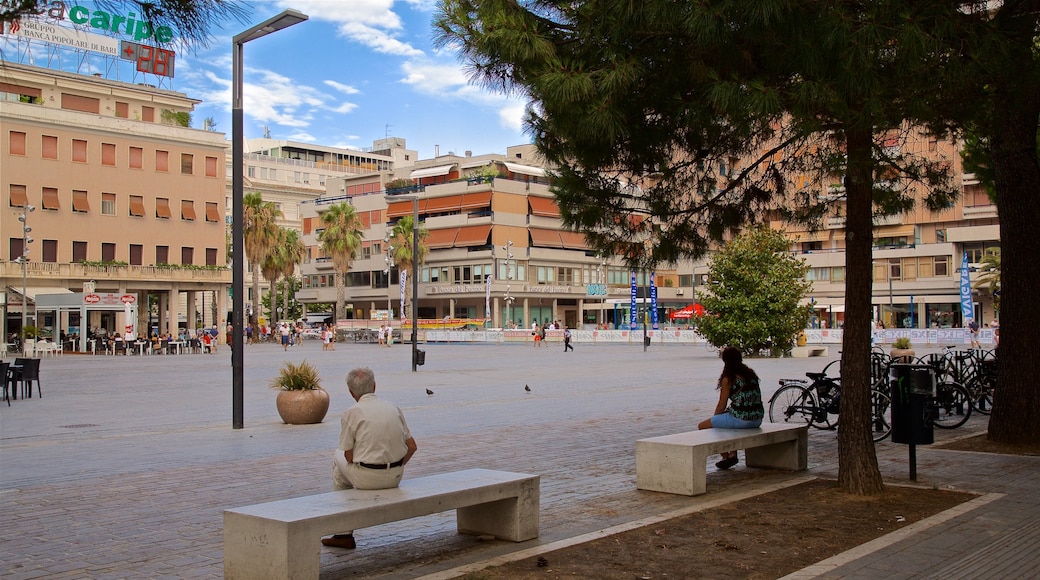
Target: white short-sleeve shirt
{"points": [[375, 430]]}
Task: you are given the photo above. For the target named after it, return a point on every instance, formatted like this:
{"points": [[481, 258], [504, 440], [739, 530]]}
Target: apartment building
{"points": [[498, 251], [290, 173], [127, 198]]}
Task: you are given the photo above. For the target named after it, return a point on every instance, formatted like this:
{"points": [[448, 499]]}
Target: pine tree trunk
{"points": [[858, 471], [1013, 137]]}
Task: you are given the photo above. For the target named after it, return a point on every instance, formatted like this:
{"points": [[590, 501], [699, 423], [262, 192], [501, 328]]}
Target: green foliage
{"points": [[30, 331], [297, 377], [340, 240], [295, 311], [756, 287], [989, 275], [105, 263], [398, 183], [901, 343], [178, 118]]}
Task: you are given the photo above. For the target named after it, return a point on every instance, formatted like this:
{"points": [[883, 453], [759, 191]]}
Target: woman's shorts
{"points": [[727, 421]]}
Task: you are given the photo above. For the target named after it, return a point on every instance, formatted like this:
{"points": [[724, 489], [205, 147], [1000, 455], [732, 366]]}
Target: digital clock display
{"points": [[149, 59]]}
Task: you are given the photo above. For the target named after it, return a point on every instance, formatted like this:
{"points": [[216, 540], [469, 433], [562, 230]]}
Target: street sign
{"points": [[128, 298]]}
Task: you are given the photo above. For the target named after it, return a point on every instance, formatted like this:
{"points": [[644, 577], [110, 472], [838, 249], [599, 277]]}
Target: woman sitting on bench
{"points": [[738, 387]]}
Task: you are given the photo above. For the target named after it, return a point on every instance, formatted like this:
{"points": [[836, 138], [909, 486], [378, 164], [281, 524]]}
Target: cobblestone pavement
{"points": [[123, 468]]}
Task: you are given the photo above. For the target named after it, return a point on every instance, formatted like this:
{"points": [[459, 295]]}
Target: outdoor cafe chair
{"points": [[5, 378], [27, 370]]}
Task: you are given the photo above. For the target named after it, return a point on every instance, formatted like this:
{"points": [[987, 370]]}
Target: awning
{"points": [[439, 239], [525, 169], [443, 204], [545, 238], [137, 206], [211, 212], [688, 311], [162, 208], [473, 236], [79, 201], [478, 163], [543, 206], [573, 240], [431, 171], [402, 208], [32, 291], [50, 198], [187, 210], [472, 201], [18, 197]]}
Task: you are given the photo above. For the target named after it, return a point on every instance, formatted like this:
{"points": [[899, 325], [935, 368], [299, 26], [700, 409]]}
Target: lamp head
{"points": [[30, 208]]}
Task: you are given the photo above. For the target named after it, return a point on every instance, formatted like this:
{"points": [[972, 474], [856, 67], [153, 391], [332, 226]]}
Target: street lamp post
{"points": [[285, 19], [23, 260], [415, 273], [508, 298], [389, 259]]}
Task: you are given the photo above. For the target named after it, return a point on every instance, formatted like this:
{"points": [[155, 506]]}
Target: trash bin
{"points": [[420, 357], [646, 341], [913, 390]]}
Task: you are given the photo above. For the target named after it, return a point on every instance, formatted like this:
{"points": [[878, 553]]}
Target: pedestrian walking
{"points": [[567, 339]]}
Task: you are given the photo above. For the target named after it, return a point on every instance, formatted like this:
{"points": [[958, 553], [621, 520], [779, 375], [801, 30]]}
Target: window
{"points": [[546, 274], [18, 196], [211, 166], [187, 210], [148, 114], [50, 147], [250, 171], [136, 160], [162, 160], [20, 94], [162, 208], [567, 275], [211, 256], [187, 256], [108, 204], [909, 268], [17, 141], [187, 162], [82, 104], [108, 252], [880, 271], [16, 248], [136, 206], [895, 268], [79, 150], [942, 266], [162, 255], [924, 267], [940, 236], [50, 198], [212, 212], [79, 201], [838, 274], [50, 251], [135, 254], [79, 251], [108, 154], [122, 110]]}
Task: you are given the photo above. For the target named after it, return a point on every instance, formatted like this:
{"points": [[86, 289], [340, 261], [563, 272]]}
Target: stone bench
{"points": [[282, 539], [806, 351], [678, 463]]}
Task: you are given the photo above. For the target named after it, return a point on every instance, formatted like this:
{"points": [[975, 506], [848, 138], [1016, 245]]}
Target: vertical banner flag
{"points": [[967, 308], [633, 321], [487, 298], [653, 302], [404, 277]]}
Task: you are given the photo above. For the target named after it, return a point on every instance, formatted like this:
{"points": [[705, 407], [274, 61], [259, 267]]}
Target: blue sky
{"points": [[356, 71]]}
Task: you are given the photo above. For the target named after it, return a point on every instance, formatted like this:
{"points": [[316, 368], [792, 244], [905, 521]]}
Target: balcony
{"points": [[979, 211], [77, 272]]}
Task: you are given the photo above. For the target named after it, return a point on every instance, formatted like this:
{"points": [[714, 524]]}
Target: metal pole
{"points": [[237, 242], [415, 282]]}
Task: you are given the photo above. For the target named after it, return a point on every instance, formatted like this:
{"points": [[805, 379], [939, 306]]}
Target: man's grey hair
{"points": [[361, 381]]}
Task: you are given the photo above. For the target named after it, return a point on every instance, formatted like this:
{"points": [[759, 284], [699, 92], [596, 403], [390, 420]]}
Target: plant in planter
{"points": [[301, 400], [902, 351]]}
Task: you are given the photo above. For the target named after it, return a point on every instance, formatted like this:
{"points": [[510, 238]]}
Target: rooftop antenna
{"points": [[387, 135], [267, 132]]}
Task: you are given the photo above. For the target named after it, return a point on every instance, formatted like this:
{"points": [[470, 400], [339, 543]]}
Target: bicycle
{"points": [[975, 371], [818, 404]]}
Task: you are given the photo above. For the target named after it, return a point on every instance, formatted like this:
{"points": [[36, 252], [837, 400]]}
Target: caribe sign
{"points": [[104, 21]]}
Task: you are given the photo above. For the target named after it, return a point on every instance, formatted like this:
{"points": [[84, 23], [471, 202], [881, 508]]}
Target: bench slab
{"points": [[678, 463], [282, 539], [808, 351]]}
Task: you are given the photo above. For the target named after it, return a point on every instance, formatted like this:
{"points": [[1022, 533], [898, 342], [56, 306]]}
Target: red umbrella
{"points": [[688, 311]]}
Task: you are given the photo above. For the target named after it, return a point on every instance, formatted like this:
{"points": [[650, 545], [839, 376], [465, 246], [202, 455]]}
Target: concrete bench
{"points": [[282, 539], [808, 351], [678, 463]]}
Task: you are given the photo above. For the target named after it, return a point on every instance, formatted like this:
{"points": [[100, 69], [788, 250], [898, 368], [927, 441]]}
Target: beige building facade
{"points": [[126, 197]]}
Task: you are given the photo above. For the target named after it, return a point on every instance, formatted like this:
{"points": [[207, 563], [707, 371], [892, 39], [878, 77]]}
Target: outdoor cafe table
{"points": [[141, 344], [174, 344]]}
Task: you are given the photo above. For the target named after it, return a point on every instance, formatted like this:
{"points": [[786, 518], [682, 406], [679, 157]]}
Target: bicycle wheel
{"points": [[792, 404], [981, 389], [880, 415], [951, 406]]}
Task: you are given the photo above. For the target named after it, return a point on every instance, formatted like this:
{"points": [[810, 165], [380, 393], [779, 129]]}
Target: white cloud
{"points": [[372, 23], [511, 115], [302, 136], [342, 87]]}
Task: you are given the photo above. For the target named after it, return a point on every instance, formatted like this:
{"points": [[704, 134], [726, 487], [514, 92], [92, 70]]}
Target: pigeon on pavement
{"points": [[429, 392], [527, 388]]}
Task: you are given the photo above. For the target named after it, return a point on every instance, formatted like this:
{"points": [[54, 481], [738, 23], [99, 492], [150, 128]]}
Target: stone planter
{"points": [[302, 407], [902, 355]]}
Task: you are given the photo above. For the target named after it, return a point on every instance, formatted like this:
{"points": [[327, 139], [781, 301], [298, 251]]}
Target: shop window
{"points": [[79, 151]]}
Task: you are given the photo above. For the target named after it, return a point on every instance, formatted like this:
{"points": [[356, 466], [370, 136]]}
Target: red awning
{"points": [[688, 311]]}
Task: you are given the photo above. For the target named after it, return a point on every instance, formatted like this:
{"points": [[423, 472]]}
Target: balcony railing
{"points": [[78, 272]]}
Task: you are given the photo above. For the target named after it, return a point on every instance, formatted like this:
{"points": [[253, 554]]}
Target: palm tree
{"points": [[292, 251], [989, 275], [401, 238], [271, 268], [260, 233], [340, 240]]}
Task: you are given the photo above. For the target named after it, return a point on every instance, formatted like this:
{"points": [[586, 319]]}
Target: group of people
{"points": [[375, 442], [386, 335], [538, 333]]}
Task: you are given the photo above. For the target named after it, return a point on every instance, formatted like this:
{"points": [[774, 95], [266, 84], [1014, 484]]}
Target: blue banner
{"points": [[633, 321], [967, 308], [653, 302]]}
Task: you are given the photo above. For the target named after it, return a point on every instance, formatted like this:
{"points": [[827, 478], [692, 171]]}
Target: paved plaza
{"points": [[123, 468]]}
